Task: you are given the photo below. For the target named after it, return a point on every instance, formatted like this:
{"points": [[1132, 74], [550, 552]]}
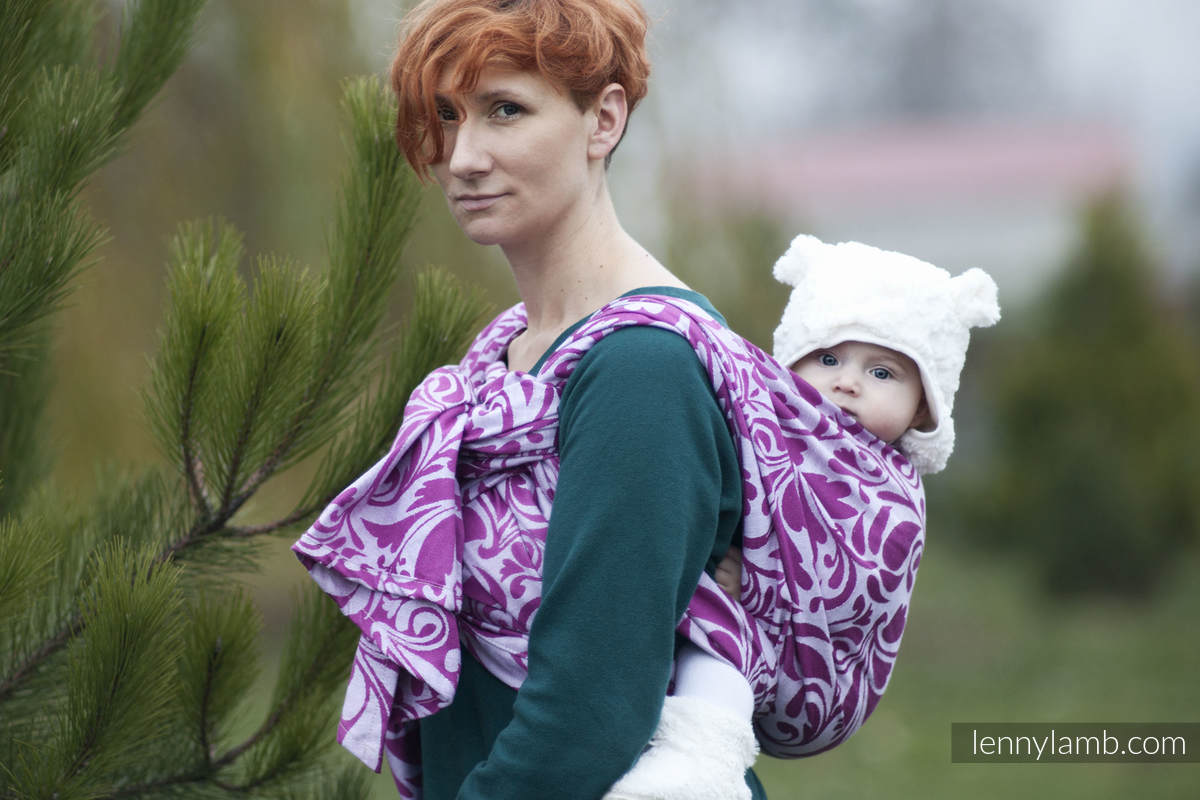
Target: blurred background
{"points": [[1054, 144]]}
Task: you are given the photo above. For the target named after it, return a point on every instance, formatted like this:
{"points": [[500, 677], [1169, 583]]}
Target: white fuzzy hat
{"points": [[853, 292]]}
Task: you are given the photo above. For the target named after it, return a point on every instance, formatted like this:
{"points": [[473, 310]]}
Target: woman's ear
{"points": [[611, 112]]}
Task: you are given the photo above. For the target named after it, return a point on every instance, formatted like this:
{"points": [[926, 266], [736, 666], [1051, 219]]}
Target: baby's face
{"points": [[880, 387]]}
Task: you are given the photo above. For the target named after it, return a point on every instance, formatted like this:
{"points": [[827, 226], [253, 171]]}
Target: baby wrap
{"points": [[443, 538]]}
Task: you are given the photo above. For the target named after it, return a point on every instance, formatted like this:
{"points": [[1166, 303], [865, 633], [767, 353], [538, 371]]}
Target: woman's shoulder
{"points": [[639, 359], [637, 342], [693, 301], [654, 340], [648, 332], [641, 324], [641, 348]]}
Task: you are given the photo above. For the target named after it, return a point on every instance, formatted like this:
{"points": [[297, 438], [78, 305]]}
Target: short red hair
{"points": [[579, 45]]}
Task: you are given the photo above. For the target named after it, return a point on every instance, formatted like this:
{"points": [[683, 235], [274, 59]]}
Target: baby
{"points": [[883, 336]]}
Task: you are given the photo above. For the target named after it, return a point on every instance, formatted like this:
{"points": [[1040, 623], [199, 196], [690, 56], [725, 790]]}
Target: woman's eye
{"points": [[446, 114], [506, 110], [827, 360], [882, 373]]}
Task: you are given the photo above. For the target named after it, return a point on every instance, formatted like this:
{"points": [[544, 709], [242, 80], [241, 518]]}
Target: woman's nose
{"points": [[468, 156]]}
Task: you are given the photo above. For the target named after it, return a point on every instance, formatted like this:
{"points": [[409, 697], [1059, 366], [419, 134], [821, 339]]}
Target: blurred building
{"points": [[964, 131], [1002, 195]]}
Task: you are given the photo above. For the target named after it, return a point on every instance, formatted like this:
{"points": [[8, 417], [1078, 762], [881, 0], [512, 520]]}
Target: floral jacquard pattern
{"points": [[439, 545]]}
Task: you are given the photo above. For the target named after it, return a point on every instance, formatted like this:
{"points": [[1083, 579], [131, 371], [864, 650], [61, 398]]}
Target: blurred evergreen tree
{"points": [[728, 257], [126, 661], [1095, 470]]}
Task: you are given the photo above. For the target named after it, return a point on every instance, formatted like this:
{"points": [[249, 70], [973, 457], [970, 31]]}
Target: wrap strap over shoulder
{"points": [[439, 545]]}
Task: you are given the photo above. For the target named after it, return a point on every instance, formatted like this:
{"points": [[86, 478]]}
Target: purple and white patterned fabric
{"points": [[439, 545]]}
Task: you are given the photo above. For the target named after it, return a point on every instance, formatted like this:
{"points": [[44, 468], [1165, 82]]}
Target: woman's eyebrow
{"points": [[480, 98], [498, 92]]}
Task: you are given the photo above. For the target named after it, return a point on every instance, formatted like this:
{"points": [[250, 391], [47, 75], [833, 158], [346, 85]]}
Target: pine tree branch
{"points": [[253, 408], [268, 467], [199, 531], [192, 466], [367, 263], [74, 625], [117, 687], [281, 710], [324, 378], [176, 780], [236, 752], [75, 622], [209, 678], [210, 522], [306, 512], [49, 647], [376, 212]]}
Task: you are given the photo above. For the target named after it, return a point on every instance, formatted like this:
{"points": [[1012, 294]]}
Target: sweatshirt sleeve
{"points": [[643, 502]]}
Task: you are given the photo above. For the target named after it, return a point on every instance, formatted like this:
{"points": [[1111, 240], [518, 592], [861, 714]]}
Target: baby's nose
{"points": [[846, 382]]}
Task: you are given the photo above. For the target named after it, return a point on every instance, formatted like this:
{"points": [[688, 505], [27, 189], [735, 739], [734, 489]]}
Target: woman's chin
{"points": [[484, 239], [479, 234], [487, 233], [480, 229]]}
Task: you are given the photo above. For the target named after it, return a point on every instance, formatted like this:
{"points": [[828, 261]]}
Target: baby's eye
{"points": [[882, 373], [827, 360]]}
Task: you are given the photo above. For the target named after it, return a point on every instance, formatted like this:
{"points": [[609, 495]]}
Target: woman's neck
{"points": [[569, 273]]}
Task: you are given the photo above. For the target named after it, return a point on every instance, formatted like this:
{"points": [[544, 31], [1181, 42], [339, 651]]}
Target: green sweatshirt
{"points": [[649, 494]]}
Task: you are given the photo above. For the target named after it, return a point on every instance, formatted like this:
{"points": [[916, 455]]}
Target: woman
{"points": [[560, 497], [520, 153], [515, 108]]}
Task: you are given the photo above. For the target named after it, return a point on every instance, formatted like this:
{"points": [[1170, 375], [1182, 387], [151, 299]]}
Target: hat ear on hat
{"points": [[801, 254], [975, 299]]}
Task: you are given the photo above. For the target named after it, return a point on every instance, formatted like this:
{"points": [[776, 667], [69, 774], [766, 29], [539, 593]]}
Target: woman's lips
{"points": [[477, 202]]}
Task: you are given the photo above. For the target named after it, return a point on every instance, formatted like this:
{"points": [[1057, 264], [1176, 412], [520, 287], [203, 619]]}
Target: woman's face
{"points": [[515, 165]]}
